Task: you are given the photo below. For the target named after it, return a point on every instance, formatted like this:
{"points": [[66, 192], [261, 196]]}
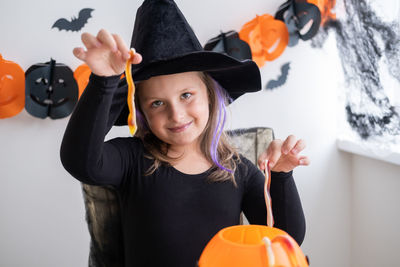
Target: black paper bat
{"points": [[272, 84], [76, 24]]}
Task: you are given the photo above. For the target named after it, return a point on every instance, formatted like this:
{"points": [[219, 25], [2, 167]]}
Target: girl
{"points": [[179, 181]]}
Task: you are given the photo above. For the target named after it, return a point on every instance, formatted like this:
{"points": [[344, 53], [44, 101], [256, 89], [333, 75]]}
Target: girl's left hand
{"points": [[283, 156]]}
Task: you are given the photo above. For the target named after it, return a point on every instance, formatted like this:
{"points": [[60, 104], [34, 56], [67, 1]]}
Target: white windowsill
{"points": [[354, 147]]}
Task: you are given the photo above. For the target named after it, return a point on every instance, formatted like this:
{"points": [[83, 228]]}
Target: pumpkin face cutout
{"points": [[12, 88], [266, 36], [246, 245], [51, 90]]}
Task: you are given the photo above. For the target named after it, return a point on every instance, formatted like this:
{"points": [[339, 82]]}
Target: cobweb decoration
{"points": [[369, 48]]}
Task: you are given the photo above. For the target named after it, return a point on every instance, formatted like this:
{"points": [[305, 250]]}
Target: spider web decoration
{"points": [[368, 46]]}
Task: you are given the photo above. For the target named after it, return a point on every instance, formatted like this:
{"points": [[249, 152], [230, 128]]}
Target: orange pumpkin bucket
{"points": [[12, 88], [252, 245], [266, 36]]}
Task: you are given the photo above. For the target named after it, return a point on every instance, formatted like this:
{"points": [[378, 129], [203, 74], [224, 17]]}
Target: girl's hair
{"points": [[214, 142]]}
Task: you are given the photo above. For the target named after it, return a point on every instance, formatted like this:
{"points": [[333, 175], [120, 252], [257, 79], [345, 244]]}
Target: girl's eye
{"points": [[186, 95], [156, 104]]}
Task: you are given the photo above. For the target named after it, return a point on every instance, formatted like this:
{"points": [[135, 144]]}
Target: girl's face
{"points": [[175, 107]]}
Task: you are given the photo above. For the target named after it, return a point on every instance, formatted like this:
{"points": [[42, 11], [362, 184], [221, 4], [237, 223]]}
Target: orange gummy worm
{"points": [[267, 196], [131, 94]]}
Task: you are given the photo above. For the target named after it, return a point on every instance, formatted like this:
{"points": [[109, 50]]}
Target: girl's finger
{"points": [[137, 59], [304, 161], [261, 160], [89, 40], [80, 53], [300, 145], [288, 144], [274, 152], [107, 40], [122, 47]]}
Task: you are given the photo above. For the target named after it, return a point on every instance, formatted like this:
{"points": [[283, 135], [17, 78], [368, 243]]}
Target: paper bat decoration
{"points": [[50, 90], [230, 44], [272, 84], [76, 24]]}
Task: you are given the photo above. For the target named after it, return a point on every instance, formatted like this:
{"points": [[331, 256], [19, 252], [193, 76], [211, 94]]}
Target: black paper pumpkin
{"points": [[50, 90], [298, 16], [230, 44]]}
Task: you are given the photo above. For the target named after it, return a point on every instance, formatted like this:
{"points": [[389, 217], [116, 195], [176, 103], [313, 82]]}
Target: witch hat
{"points": [[168, 45]]}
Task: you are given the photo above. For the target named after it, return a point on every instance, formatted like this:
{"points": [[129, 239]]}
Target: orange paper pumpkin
{"points": [[81, 75], [266, 36], [245, 245], [12, 88], [325, 7]]}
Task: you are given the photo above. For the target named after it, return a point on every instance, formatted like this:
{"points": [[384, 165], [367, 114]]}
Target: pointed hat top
{"points": [[169, 45]]}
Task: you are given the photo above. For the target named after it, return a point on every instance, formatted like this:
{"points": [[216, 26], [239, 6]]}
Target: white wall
{"points": [[42, 215], [376, 213]]}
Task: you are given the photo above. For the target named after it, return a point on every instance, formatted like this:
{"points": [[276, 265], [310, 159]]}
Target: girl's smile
{"points": [[180, 128]]}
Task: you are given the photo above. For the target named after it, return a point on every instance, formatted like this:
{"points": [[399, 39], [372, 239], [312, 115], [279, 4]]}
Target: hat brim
{"points": [[235, 76]]}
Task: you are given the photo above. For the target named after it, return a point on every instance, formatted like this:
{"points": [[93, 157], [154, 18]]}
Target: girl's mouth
{"points": [[180, 128]]}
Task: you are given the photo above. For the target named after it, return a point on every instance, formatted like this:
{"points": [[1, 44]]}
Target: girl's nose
{"points": [[176, 112]]}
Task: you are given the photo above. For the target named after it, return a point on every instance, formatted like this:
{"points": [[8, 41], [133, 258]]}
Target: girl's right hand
{"points": [[106, 54]]}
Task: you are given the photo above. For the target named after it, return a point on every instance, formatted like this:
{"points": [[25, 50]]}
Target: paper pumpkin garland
{"points": [[262, 39], [266, 36], [12, 88], [50, 90]]}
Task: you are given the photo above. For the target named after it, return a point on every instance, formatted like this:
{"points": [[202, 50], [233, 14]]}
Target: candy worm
{"points": [[267, 196], [270, 252], [131, 93], [288, 247]]}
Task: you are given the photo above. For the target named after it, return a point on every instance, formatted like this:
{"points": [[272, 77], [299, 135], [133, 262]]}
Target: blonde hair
{"points": [[224, 157]]}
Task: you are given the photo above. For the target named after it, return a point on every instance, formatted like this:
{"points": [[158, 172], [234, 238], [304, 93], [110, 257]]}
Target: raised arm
{"points": [[83, 151]]}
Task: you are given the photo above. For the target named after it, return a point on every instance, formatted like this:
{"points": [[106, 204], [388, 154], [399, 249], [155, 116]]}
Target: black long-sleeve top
{"points": [[168, 217]]}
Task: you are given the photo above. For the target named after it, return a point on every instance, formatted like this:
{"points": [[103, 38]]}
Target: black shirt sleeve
{"points": [[286, 204], [84, 154]]}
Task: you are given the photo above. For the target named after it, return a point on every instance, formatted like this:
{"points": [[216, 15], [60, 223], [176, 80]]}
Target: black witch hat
{"points": [[168, 45]]}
